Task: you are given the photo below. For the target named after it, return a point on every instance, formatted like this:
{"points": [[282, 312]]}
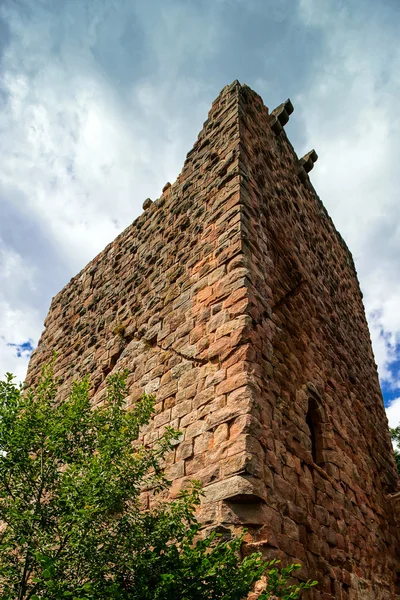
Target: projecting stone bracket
{"points": [[238, 488], [147, 203], [306, 164], [280, 116]]}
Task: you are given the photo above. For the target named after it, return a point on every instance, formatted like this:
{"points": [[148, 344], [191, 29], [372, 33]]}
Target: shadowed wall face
{"points": [[234, 300], [326, 439]]}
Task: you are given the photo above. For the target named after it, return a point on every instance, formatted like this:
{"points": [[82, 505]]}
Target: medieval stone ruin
{"points": [[234, 300]]}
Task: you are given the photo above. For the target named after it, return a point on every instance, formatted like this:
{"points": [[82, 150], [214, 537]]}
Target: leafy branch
{"points": [[72, 523]]}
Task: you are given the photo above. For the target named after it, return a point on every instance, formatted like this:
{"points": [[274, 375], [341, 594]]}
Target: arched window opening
{"points": [[313, 420]]}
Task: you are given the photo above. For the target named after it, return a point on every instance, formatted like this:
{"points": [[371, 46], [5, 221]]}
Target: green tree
{"points": [[72, 524], [395, 435]]}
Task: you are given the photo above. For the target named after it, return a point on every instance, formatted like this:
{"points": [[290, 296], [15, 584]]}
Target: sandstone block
{"points": [[181, 409], [202, 442], [162, 418], [233, 383], [204, 397], [194, 429], [221, 433], [184, 450], [235, 487]]}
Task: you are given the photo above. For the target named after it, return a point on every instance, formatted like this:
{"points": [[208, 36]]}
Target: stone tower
{"points": [[234, 300]]}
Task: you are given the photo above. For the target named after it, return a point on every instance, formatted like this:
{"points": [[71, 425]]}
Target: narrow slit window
{"points": [[310, 424], [313, 420]]}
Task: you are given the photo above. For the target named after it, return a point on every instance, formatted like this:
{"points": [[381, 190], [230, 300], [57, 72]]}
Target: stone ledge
{"points": [[239, 487]]}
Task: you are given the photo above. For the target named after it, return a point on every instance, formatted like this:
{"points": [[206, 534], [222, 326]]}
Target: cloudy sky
{"points": [[100, 100]]}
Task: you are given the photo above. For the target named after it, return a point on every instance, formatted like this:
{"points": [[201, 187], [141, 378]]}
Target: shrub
{"points": [[72, 522]]}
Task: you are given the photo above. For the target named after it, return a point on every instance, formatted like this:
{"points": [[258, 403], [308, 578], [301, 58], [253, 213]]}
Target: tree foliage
{"points": [[395, 435], [72, 524]]}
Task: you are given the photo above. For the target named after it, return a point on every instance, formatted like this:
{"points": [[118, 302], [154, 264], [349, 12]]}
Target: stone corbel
{"points": [[280, 116], [306, 164]]}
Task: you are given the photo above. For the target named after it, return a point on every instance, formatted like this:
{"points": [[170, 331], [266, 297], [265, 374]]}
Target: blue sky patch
{"points": [[23, 350], [391, 387]]}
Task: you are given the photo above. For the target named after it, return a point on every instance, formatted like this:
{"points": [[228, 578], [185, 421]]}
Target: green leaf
{"points": [[70, 490]]}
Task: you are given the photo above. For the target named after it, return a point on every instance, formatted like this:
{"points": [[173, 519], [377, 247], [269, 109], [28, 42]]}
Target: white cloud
{"points": [[102, 100], [79, 155], [393, 413], [351, 111], [19, 322]]}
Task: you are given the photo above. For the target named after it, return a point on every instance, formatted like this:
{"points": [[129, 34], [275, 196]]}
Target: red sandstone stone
{"points": [[238, 306]]}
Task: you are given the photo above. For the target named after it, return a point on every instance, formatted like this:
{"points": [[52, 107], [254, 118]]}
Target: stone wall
{"points": [[167, 300], [234, 300], [312, 355]]}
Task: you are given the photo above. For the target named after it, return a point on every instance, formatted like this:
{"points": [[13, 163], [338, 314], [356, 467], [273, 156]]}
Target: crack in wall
{"points": [[127, 339], [294, 291], [200, 361]]}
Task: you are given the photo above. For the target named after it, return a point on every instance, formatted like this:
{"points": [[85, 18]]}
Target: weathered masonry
{"points": [[235, 301]]}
